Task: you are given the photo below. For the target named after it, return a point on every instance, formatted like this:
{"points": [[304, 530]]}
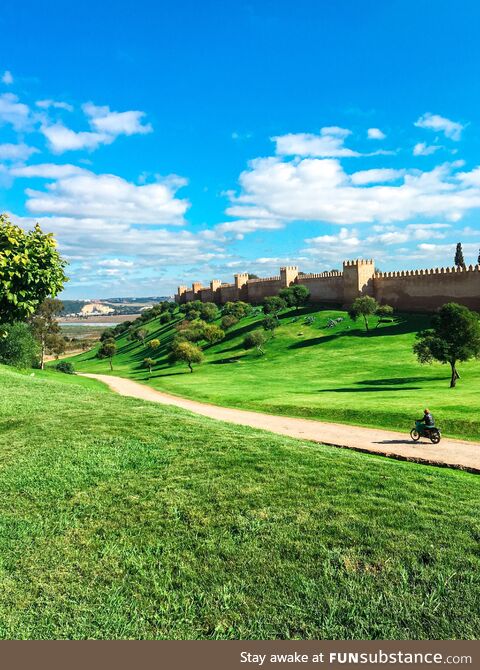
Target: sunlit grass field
{"points": [[126, 519], [339, 374]]}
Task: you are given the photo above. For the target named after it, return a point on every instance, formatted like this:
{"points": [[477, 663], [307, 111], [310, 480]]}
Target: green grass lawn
{"points": [[126, 519], [340, 374]]}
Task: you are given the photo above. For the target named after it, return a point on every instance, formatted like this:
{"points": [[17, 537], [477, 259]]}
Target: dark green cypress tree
{"points": [[459, 260]]}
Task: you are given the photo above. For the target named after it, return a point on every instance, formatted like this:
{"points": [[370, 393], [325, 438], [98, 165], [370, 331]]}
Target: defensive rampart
{"points": [[408, 290]]}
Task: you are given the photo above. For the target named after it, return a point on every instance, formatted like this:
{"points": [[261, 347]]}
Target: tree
{"points": [[238, 309], [108, 334], [66, 367], [364, 307], [228, 321], [478, 259], [273, 304], [166, 317], [186, 352], [255, 340], [383, 312], [31, 269], [154, 344], [140, 334], [295, 296], [454, 336], [213, 333], [269, 324], [46, 330], [108, 349], [149, 363], [459, 260], [209, 311], [18, 347]]}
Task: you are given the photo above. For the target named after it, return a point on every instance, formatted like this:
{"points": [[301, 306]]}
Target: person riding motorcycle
{"points": [[427, 421]]}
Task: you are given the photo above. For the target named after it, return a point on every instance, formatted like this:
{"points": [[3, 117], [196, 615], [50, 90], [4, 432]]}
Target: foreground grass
{"points": [[123, 519], [340, 374]]}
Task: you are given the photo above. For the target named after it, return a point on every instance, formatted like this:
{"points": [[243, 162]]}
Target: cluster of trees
{"points": [[31, 275], [368, 306]]}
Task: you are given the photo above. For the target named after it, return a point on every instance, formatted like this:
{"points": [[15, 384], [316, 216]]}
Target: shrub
{"points": [[154, 344], [166, 317], [273, 304], [209, 311], [238, 309], [213, 333], [228, 321], [66, 367], [18, 347], [254, 340]]}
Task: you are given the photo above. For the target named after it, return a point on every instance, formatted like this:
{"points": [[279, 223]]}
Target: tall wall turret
{"points": [[288, 275], [357, 279]]}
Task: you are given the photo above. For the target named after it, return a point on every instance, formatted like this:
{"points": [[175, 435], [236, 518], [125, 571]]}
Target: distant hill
{"points": [[120, 305]]}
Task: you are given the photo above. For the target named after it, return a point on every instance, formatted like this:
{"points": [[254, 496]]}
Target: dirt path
{"points": [[449, 453]]}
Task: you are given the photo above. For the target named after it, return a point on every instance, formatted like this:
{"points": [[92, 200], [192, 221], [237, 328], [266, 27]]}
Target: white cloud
{"points": [[105, 126], [378, 175], [320, 190], [60, 138], [14, 112], [48, 171], [242, 226], [422, 149], [109, 197], [330, 143], [438, 123], [16, 152], [116, 123], [116, 263], [7, 77], [375, 134], [47, 104]]}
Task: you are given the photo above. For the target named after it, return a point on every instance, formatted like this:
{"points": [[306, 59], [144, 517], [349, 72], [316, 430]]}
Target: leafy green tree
{"points": [[186, 352], [363, 307], [31, 269], [295, 296], [149, 363], [209, 312], [273, 304], [191, 330], [459, 259], [46, 330], [213, 333], [18, 347], [270, 323], [108, 349], [238, 309], [166, 317], [154, 344], [255, 340], [453, 337], [383, 312], [108, 334], [228, 321]]}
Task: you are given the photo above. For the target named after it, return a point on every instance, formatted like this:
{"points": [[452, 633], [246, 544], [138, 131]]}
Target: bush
{"points": [[238, 309], [228, 321], [166, 317], [65, 367], [18, 347], [254, 340], [209, 311], [212, 333]]}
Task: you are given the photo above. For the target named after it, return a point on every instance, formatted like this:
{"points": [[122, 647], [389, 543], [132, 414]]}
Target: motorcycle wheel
{"points": [[435, 437], [414, 434]]}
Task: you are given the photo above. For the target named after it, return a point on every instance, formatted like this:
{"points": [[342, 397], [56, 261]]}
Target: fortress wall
{"points": [[258, 289], [426, 290], [228, 292], [324, 287], [410, 290]]}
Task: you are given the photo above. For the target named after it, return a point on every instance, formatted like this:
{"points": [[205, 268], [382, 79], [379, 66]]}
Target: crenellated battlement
{"points": [[409, 290]]}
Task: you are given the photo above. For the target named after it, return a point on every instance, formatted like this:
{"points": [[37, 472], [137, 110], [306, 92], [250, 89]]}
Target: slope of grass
{"points": [[123, 519], [337, 374]]}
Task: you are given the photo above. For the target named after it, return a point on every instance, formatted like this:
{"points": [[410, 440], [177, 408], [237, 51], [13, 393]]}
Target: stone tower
{"points": [[357, 279], [288, 275]]}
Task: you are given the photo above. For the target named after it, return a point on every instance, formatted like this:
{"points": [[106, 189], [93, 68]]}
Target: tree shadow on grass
{"points": [[369, 389], [398, 381]]}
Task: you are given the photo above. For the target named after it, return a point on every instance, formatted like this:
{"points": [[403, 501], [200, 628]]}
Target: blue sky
{"points": [[164, 142]]}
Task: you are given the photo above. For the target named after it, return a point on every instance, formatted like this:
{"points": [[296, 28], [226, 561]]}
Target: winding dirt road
{"points": [[449, 453]]}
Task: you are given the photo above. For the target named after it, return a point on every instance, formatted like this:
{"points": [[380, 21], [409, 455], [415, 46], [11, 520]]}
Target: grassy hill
{"points": [[338, 374], [126, 519]]}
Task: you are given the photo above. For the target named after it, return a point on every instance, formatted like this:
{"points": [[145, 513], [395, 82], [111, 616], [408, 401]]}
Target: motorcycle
{"points": [[431, 432]]}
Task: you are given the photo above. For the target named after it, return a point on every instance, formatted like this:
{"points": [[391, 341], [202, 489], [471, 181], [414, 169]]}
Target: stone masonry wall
{"points": [[410, 290]]}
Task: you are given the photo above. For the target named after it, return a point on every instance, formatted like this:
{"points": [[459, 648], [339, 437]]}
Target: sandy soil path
{"points": [[449, 453]]}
